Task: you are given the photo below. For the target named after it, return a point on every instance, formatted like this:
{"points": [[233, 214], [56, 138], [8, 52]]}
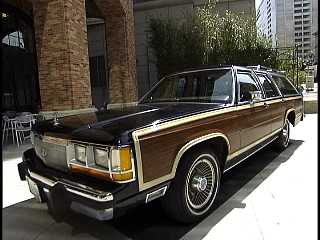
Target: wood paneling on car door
{"points": [[255, 123], [160, 148]]}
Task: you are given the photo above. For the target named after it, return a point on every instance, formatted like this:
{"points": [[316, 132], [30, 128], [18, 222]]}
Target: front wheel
{"points": [[194, 188]]}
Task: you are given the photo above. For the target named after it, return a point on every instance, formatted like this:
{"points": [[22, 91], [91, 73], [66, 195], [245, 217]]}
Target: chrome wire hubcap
{"points": [[200, 183], [285, 133]]}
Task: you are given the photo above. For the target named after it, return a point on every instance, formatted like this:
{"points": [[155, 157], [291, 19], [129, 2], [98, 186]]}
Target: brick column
{"points": [[119, 22], [62, 51]]}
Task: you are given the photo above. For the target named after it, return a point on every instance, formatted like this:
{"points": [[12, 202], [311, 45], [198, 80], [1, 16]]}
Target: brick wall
{"points": [[62, 51]]}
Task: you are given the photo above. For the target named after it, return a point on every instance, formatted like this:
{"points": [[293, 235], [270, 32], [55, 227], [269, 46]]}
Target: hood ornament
{"points": [[43, 152], [55, 119]]}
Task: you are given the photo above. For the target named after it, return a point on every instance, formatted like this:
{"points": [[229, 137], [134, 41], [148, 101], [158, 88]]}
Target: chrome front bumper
{"points": [[79, 190]]}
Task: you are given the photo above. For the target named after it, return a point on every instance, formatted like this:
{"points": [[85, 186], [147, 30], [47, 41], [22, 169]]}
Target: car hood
{"points": [[114, 126]]}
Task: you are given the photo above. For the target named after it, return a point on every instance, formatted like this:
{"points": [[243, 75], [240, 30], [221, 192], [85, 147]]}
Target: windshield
{"points": [[213, 86]]}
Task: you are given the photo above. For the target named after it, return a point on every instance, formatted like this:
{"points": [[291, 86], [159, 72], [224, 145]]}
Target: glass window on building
{"points": [[97, 71], [20, 84]]}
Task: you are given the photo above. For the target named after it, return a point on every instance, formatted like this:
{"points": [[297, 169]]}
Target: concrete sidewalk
{"points": [[13, 189], [272, 195], [310, 100]]}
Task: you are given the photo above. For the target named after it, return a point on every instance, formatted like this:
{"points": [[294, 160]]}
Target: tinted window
{"points": [[285, 85], [247, 87], [269, 87], [218, 86], [207, 86]]}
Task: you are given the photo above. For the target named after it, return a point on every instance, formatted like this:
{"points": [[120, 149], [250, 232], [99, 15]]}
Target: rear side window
{"points": [[269, 87], [285, 85]]}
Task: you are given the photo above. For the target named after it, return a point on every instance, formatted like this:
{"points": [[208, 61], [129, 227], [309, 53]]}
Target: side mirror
{"points": [[255, 96]]}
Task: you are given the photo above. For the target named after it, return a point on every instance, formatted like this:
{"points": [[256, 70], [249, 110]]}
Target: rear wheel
{"points": [[284, 136], [195, 187]]}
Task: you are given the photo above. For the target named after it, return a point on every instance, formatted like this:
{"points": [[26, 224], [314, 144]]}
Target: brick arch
{"points": [[23, 5], [119, 21], [92, 10]]}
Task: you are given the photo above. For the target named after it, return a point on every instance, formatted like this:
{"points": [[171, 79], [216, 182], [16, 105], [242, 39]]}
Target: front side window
{"points": [[247, 87]]}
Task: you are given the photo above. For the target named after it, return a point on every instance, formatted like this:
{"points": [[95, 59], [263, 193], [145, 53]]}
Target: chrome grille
{"points": [[53, 155]]}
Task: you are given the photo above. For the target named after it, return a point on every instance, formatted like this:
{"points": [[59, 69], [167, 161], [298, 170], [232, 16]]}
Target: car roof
{"points": [[204, 68], [266, 70]]}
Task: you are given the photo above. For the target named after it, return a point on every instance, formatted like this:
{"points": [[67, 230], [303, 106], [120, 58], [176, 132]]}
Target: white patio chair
{"points": [[23, 124], [7, 126]]}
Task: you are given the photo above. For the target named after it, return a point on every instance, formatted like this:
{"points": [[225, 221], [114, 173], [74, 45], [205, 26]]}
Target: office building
{"points": [[289, 22]]}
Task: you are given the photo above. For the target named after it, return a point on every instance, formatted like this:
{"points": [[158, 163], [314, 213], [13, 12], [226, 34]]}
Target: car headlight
{"points": [[101, 157], [106, 162], [80, 153]]}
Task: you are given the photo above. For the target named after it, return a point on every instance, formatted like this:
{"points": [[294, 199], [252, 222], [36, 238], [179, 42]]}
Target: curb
{"points": [[310, 106]]}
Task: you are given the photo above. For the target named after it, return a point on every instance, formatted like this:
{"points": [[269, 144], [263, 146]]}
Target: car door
{"points": [[274, 100], [254, 113]]}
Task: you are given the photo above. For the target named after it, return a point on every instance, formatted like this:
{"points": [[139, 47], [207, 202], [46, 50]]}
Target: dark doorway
{"points": [[20, 83]]}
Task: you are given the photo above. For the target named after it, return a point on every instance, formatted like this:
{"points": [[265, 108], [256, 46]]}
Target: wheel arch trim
{"points": [[288, 112], [197, 141], [171, 175]]}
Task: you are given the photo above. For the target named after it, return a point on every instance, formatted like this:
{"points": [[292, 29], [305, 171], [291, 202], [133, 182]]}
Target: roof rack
{"points": [[260, 67]]}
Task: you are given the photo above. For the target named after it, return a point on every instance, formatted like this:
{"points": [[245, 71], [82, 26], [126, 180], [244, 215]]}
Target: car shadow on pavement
{"points": [[151, 222], [148, 221]]}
